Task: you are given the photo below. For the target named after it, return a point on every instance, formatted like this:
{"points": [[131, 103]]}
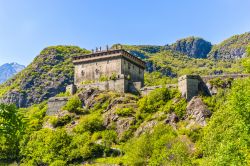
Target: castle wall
{"points": [[189, 86], [92, 71], [118, 85], [135, 72], [55, 104]]}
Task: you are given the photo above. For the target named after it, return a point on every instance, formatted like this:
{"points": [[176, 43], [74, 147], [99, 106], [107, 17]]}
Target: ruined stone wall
{"points": [[55, 104], [92, 71], [234, 76]]}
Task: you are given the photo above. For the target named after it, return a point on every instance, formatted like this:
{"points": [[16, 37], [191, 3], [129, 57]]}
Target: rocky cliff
{"points": [[231, 48], [193, 47]]}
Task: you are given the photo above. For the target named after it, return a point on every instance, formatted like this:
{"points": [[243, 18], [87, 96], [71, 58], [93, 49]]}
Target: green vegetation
{"points": [[246, 61], [11, 130], [226, 138], [125, 129], [74, 105], [45, 77], [231, 47], [75, 138]]}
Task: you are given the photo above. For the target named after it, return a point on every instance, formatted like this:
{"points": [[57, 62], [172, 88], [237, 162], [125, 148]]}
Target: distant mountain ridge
{"points": [[8, 70]]}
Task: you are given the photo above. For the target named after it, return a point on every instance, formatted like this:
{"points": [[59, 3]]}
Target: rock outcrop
{"points": [[197, 112], [193, 47], [232, 48]]}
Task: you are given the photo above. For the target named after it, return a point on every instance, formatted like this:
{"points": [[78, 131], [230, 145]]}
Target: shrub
{"points": [[59, 163], [82, 147], [45, 146], [73, 105], [155, 100], [60, 121], [89, 123], [103, 78], [124, 111], [178, 107], [109, 137], [161, 147]]}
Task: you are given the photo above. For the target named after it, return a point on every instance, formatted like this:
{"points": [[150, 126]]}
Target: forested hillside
{"points": [[49, 74], [231, 48], [108, 128]]}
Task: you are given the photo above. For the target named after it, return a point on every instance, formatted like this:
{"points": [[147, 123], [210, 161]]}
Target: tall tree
{"points": [[11, 129]]}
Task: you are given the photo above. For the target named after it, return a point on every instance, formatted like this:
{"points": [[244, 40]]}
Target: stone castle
{"points": [[114, 69], [120, 71]]}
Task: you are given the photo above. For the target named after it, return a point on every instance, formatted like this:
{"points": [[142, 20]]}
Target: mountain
{"points": [[49, 74], [8, 70], [231, 48], [97, 127], [193, 47], [52, 70]]}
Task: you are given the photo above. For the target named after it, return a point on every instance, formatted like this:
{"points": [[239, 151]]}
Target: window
{"points": [[128, 65], [83, 73], [96, 71]]}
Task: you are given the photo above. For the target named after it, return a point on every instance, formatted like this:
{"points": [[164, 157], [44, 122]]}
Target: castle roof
{"points": [[109, 54]]}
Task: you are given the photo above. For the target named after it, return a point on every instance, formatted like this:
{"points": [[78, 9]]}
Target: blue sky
{"points": [[28, 26]]}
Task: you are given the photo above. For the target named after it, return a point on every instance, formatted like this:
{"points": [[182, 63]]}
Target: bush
{"points": [[161, 147], [89, 123], [82, 148], [59, 163], [60, 121], [153, 101], [73, 105], [178, 107], [109, 137], [46, 146], [124, 111]]}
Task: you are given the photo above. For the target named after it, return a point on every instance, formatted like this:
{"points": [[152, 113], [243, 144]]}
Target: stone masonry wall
{"points": [[55, 104], [92, 71], [118, 85], [134, 71]]}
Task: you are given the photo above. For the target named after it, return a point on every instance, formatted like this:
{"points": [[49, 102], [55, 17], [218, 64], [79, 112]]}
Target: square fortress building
{"points": [[109, 70]]}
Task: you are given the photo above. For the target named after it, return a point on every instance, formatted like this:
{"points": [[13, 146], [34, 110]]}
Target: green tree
{"points": [[11, 131], [246, 61], [161, 147], [226, 138], [45, 146]]}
